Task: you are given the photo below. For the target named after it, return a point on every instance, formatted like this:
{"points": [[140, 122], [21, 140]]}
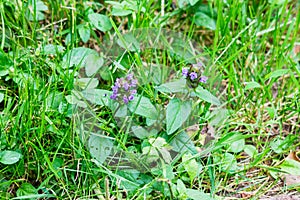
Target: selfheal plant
{"points": [[124, 89], [193, 75]]}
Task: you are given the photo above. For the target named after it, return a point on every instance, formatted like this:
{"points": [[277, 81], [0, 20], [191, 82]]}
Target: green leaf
{"points": [[227, 162], [87, 83], [36, 6], [77, 56], [193, 2], [120, 12], [250, 150], [84, 33], [129, 42], [101, 22], [237, 146], [177, 113], [191, 166], [92, 64], [278, 2], [291, 166], [182, 143], [197, 195], [142, 133], [277, 73], [202, 19], [9, 157], [97, 96], [142, 106], [100, 147], [205, 95], [252, 85], [26, 189], [1, 97], [51, 49], [173, 87]]}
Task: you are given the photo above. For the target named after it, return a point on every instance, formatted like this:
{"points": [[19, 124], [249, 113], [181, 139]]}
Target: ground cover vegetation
{"points": [[183, 99]]}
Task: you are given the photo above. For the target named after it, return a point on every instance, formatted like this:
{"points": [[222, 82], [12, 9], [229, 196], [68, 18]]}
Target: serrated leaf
{"points": [[101, 22], [252, 85], [142, 106], [205, 95], [9, 157], [92, 64], [84, 33], [277, 73], [177, 113], [173, 87], [1, 97], [100, 147], [202, 19]]}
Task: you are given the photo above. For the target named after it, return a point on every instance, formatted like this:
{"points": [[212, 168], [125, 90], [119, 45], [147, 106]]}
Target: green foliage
{"points": [[60, 59]]}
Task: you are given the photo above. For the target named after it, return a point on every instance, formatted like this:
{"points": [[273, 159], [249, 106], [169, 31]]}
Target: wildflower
{"points": [[193, 75], [124, 89], [203, 79], [185, 72]]}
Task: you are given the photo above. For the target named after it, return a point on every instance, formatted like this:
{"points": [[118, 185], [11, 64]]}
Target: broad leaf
{"points": [[291, 166], [191, 166], [202, 19], [237, 146], [182, 143], [9, 157], [87, 83], [26, 189], [177, 113], [277, 73], [252, 85], [173, 87], [77, 56], [142, 106], [205, 95], [197, 195], [84, 33], [51, 49], [97, 96], [100, 147], [101, 22], [92, 64]]}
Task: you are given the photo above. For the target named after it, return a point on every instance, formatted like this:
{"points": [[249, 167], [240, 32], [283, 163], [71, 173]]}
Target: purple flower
{"points": [[133, 92], [114, 96], [203, 79], [130, 98], [125, 99], [185, 72], [124, 89], [129, 77], [193, 75], [126, 86], [133, 83], [115, 89]]}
